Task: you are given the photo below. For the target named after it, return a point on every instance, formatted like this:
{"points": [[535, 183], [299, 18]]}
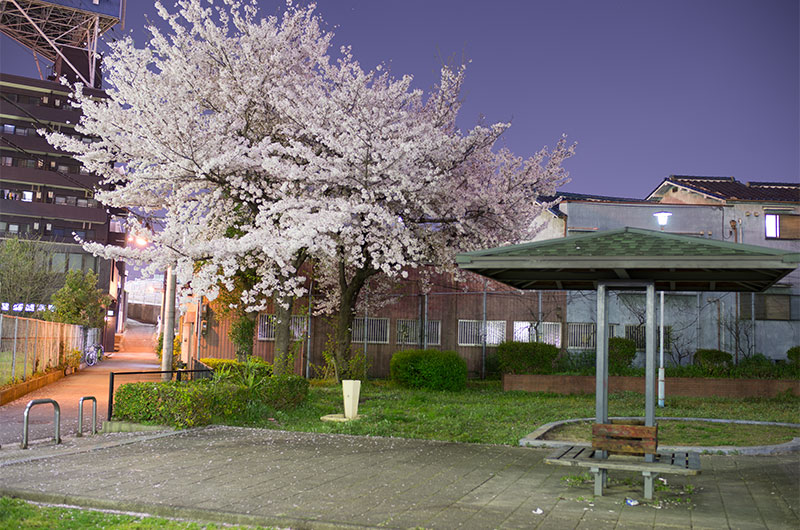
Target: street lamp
{"points": [[662, 218]]}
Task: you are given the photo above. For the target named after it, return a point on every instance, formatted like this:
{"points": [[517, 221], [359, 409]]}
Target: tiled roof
{"points": [[673, 262], [730, 189], [631, 242]]}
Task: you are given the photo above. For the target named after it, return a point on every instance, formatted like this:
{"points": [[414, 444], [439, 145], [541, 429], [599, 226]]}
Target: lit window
{"points": [[48, 227], [27, 196], [8, 129], [6, 161], [36, 225], [13, 228], [782, 226], [773, 228]]}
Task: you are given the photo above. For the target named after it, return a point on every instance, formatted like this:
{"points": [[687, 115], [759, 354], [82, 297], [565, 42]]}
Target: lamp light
{"points": [[662, 218]]}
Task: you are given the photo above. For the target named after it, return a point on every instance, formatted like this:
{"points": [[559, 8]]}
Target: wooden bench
{"points": [[629, 440]]}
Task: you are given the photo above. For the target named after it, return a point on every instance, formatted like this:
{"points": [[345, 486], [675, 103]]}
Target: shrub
{"points": [[431, 369], [793, 354], [582, 362], [711, 359], [233, 368], [285, 391], [181, 405], [176, 351], [526, 357], [621, 353]]}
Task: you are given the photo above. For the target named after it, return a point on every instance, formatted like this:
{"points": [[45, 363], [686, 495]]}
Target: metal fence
{"points": [[29, 346]]}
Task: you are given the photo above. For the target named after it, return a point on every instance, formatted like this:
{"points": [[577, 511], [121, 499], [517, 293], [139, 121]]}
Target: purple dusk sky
{"points": [[647, 88]]}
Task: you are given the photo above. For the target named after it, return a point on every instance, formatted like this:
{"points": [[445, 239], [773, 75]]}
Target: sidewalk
{"points": [[136, 355], [307, 480]]}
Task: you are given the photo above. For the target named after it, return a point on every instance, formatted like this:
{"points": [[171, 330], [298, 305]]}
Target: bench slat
{"points": [[615, 430], [638, 447]]}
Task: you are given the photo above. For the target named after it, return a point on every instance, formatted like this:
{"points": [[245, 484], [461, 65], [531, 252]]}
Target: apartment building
{"points": [[45, 193]]}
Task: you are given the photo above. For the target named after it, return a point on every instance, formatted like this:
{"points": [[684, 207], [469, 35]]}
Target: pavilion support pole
{"points": [[650, 361], [601, 379]]}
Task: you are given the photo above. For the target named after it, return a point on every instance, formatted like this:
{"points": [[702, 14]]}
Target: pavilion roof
{"points": [[674, 262]]}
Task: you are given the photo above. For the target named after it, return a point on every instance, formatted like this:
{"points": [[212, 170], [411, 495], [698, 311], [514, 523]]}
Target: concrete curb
{"points": [[793, 446], [26, 387], [20, 456], [174, 512]]}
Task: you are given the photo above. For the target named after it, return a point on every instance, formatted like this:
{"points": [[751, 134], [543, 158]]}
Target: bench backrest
{"points": [[625, 439]]}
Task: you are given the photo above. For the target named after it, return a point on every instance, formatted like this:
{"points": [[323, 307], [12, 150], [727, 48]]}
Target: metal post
{"points": [[485, 332], [80, 415], [56, 420], [110, 395], [27, 336], [425, 323], [169, 325], [650, 357], [308, 332], [601, 374], [661, 355], [366, 317], [14, 350], [753, 322]]}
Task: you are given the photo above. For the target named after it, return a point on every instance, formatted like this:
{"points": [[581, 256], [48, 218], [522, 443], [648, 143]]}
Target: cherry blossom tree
{"points": [[413, 188], [202, 117], [257, 152]]}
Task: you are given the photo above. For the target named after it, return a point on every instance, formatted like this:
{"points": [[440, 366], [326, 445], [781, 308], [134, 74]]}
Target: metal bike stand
{"points": [[56, 419], [80, 415]]}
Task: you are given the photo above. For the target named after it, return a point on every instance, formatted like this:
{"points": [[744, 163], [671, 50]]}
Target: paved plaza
{"points": [[306, 480]]}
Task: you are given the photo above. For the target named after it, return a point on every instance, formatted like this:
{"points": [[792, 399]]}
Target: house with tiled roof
{"points": [[766, 214]]}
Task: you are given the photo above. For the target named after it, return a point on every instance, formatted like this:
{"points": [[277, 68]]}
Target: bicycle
{"points": [[92, 354]]}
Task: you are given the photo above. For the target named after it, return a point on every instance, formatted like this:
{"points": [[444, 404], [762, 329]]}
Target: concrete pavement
{"points": [[308, 480], [136, 354]]}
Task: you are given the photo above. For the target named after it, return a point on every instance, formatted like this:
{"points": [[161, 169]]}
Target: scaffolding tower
{"points": [[65, 32]]}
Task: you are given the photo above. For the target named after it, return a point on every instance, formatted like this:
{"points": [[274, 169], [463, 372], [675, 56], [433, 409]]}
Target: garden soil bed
{"points": [[674, 386], [7, 395]]}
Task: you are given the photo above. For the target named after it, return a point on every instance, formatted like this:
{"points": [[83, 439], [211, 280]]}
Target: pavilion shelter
{"points": [[631, 258]]}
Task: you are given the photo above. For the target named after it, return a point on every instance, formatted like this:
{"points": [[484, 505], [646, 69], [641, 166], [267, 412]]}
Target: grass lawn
{"points": [[16, 513], [485, 414]]}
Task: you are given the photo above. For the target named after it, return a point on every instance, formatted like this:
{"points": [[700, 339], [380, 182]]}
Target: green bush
{"points": [[711, 359], [793, 355], [177, 364], [285, 391], [181, 405], [621, 353], [581, 363], [431, 369], [233, 368], [526, 357]]}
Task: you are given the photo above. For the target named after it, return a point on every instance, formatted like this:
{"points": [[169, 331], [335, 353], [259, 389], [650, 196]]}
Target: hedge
{"points": [[526, 357], [621, 353], [431, 369], [262, 367], [182, 405], [195, 403]]}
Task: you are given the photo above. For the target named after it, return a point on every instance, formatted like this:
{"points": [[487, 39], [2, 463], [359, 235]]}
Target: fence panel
{"points": [[29, 346]]}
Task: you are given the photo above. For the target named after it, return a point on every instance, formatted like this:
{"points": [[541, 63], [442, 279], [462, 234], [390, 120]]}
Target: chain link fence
{"points": [[29, 346]]}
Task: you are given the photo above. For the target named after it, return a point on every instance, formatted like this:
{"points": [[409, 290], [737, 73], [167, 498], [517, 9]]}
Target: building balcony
{"points": [[45, 210]]}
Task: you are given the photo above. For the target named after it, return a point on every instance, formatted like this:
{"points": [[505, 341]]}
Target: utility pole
{"points": [[169, 325]]}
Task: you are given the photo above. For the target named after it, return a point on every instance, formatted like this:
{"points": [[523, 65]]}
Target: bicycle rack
{"points": [[56, 419], [80, 415]]}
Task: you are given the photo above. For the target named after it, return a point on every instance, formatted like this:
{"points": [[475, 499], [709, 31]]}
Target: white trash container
{"points": [[351, 388]]}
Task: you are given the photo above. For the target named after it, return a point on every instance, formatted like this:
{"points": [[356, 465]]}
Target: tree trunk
{"points": [[283, 360], [342, 353]]}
